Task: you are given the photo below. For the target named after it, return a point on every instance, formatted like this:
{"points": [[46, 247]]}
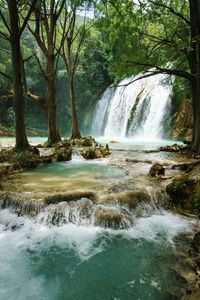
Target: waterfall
{"points": [[133, 109]]}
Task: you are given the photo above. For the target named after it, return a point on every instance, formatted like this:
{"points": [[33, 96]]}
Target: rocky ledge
{"points": [[184, 192]]}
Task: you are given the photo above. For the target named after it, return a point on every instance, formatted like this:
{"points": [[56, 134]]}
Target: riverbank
{"points": [[10, 132]]}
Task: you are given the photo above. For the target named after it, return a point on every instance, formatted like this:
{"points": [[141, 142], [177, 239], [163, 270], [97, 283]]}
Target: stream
{"points": [[77, 257]]}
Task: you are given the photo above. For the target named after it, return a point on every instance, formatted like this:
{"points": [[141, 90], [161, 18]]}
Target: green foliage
{"points": [[144, 35], [181, 90], [5, 156], [88, 153], [63, 151], [26, 159]]}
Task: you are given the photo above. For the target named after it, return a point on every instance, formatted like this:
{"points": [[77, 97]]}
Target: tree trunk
{"points": [[194, 62], [75, 128], [196, 114], [21, 138], [53, 132]]}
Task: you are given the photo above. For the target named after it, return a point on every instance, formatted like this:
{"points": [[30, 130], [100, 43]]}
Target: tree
{"points": [[45, 32], [75, 35], [13, 35], [156, 37]]}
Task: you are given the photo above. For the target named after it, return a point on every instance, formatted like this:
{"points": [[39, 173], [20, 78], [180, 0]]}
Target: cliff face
{"points": [[181, 121]]}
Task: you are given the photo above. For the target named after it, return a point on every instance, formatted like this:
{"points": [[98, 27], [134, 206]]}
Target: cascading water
{"points": [[134, 109]]}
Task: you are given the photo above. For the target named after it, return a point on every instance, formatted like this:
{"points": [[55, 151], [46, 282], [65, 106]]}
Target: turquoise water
{"points": [[121, 143], [71, 262], [65, 176], [74, 262]]}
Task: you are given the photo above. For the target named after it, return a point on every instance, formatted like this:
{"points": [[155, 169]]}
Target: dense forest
{"points": [[60, 52]]}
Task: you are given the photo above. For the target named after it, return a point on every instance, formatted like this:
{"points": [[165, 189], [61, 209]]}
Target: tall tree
{"points": [[47, 15], [75, 33], [13, 34], [156, 37]]}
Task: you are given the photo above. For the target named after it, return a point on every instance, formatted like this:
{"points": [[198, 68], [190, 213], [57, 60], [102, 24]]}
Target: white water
{"points": [[136, 110], [38, 261]]}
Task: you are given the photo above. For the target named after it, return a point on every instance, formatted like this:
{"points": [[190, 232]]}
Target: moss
{"points": [[12, 161], [89, 153], [132, 198], [71, 196], [95, 152], [6, 156], [185, 193], [26, 159], [109, 218], [63, 151], [86, 142]]}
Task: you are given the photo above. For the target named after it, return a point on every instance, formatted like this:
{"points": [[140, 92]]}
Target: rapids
{"points": [[39, 261], [69, 250]]}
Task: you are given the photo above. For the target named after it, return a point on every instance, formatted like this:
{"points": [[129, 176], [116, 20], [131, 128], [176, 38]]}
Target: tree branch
{"points": [[172, 11], [27, 16], [6, 76], [159, 70]]}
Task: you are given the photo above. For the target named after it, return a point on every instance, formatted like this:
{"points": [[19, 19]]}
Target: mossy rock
{"points": [[157, 170], [185, 193], [89, 153], [95, 152], [132, 198], [26, 159], [63, 151], [111, 218], [63, 154], [87, 141]]}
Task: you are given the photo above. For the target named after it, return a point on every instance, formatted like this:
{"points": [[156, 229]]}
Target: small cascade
{"points": [[76, 155], [136, 109], [80, 211]]}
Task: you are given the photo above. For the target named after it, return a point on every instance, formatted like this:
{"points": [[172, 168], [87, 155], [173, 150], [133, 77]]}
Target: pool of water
{"points": [[90, 263], [122, 143], [62, 176]]}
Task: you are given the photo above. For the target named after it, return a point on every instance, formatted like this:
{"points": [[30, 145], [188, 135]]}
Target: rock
{"points": [[95, 152], [181, 192], [89, 153], [132, 198], [63, 151], [196, 241], [112, 218], [173, 148], [157, 170]]}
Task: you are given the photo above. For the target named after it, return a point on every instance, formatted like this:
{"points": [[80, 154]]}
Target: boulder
{"points": [[157, 170]]}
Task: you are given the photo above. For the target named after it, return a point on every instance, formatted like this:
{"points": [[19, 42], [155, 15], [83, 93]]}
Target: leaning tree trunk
{"points": [[21, 138], [53, 132]]}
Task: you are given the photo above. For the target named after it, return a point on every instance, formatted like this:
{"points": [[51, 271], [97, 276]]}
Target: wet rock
{"points": [[196, 241], [95, 152], [157, 170], [112, 218], [184, 190], [181, 192], [173, 148], [133, 198], [68, 196]]}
